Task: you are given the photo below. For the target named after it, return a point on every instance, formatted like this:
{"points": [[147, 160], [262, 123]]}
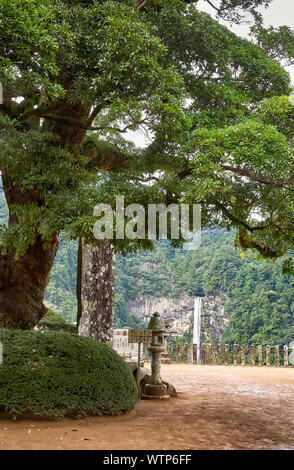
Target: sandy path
{"points": [[217, 408]]}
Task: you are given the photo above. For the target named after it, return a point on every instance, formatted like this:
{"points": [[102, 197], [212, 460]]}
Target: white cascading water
{"points": [[197, 325]]}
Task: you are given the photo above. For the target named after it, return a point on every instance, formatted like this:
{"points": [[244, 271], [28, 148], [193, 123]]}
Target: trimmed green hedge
{"points": [[55, 321], [55, 374]]}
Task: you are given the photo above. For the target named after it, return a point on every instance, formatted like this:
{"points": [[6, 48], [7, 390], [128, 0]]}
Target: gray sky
{"points": [[280, 12]]}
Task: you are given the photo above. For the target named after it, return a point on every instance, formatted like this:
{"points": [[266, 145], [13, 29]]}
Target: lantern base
{"points": [[155, 392]]}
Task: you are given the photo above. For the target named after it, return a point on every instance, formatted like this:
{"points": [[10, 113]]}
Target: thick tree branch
{"points": [[244, 224], [244, 172], [211, 4], [79, 124]]}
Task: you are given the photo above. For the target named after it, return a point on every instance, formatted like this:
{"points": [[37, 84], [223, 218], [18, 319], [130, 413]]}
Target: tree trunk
{"points": [[23, 283], [95, 290]]}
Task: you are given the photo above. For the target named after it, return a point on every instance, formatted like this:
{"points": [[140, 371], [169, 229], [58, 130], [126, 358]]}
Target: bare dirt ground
{"points": [[217, 407]]}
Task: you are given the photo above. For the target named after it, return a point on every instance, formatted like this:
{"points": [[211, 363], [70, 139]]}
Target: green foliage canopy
{"points": [[215, 107]]}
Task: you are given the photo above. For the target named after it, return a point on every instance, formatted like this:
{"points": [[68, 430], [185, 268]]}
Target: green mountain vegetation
{"points": [[61, 291], [261, 297]]}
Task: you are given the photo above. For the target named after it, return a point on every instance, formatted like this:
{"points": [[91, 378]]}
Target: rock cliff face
{"points": [[179, 313]]}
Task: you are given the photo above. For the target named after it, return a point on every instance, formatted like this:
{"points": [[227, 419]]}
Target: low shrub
{"points": [[54, 374], [55, 321]]}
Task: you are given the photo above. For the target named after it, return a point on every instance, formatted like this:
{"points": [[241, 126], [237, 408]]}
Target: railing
{"points": [[234, 355]]}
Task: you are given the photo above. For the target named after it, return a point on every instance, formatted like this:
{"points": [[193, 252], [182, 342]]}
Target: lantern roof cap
{"points": [[156, 323]]}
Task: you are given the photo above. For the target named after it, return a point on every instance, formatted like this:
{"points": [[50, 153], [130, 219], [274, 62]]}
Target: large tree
{"points": [[77, 66], [214, 105]]}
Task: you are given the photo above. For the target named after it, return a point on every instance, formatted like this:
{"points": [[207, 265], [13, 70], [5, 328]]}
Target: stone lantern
{"points": [[156, 389]]}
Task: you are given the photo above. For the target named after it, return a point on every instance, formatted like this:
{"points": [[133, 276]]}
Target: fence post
{"points": [[286, 359], [277, 355], [243, 355], [252, 349], [203, 354], [170, 351], [146, 351], [219, 354], [186, 353], [178, 352], [210, 354], [259, 355], [226, 354], [268, 355], [194, 353], [235, 354]]}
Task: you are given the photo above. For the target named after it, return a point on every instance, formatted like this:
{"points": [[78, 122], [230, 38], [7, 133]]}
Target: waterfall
{"points": [[197, 325]]}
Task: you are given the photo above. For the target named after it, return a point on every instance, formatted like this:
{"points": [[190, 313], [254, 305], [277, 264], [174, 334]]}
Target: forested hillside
{"points": [[261, 298]]}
